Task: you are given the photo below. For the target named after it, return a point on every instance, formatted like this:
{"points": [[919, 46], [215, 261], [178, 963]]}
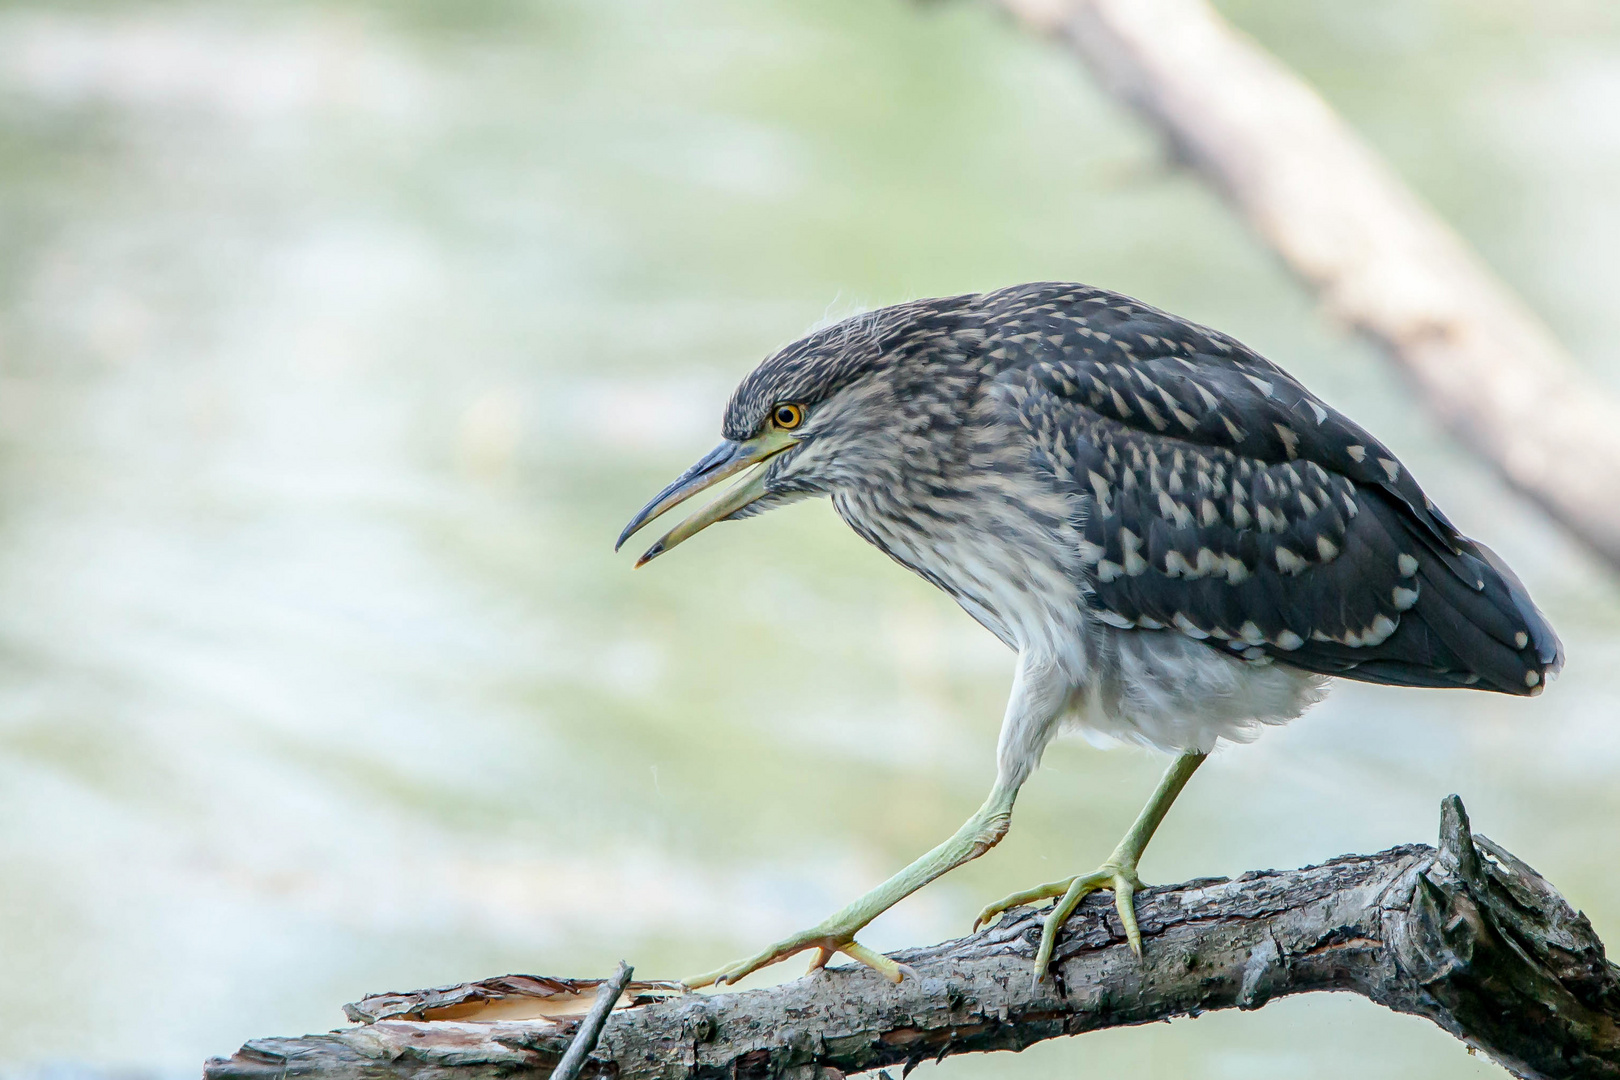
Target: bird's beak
{"points": [[727, 459]]}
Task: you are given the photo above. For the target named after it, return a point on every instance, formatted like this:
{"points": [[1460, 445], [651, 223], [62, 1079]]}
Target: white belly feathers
{"points": [[1157, 688]]}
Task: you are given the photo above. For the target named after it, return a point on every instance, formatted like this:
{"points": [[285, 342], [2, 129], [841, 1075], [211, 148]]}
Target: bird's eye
{"points": [[787, 417]]}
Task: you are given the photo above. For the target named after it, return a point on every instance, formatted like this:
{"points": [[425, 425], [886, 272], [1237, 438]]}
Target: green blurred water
{"points": [[339, 339]]}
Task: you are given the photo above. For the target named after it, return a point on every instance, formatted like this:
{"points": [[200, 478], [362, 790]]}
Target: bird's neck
{"points": [[997, 542]]}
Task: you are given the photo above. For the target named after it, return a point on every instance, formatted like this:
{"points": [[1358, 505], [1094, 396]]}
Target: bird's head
{"points": [[822, 413]]}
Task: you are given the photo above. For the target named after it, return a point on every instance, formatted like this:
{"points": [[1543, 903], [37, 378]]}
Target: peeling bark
{"points": [[1465, 935], [1379, 260]]}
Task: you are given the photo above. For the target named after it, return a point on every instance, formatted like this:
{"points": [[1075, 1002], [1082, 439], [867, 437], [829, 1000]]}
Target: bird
{"points": [[1180, 543]]}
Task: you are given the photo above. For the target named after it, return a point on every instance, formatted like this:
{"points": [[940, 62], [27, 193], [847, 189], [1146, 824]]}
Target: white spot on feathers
{"points": [[1185, 625], [1100, 490], [1290, 439], [1382, 627]]}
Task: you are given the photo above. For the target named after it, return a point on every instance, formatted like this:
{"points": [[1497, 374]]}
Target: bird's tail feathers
{"points": [[1482, 626]]}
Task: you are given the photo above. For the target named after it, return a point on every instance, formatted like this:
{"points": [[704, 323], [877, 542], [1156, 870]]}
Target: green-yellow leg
{"points": [[836, 934], [1117, 873]]}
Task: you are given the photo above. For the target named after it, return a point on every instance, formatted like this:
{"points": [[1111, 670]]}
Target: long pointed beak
{"points": [[727, 459]]}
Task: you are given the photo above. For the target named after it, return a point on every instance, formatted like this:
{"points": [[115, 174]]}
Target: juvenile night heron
{"points": [[1180, 542]]}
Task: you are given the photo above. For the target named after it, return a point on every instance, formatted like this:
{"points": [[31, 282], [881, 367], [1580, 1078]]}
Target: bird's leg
{"points": [[836, 934], [1117, 873]]}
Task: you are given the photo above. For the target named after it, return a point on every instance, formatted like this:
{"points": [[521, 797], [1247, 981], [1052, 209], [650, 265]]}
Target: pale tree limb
{"points": [[1379, 259], [1466, 935]]}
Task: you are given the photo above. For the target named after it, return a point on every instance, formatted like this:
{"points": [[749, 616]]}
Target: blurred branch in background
{"points": [[1466, 935], [1379, 259]]}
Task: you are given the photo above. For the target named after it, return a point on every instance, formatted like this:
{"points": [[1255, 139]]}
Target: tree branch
{"points": [[1380, 260], [1466, 935]]}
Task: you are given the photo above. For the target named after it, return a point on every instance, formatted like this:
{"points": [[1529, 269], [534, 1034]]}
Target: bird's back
{"points": [[1219, 498]]}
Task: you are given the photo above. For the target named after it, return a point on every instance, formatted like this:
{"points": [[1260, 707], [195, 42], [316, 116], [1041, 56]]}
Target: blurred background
{"points": [[339, 338]]}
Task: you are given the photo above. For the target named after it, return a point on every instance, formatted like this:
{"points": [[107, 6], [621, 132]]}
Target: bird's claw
{"points": [[827, 941], [1069, 892]]}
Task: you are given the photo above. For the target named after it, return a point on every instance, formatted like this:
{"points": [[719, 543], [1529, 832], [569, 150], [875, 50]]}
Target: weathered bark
{"points": [[1380, 260], [1466, 935]]}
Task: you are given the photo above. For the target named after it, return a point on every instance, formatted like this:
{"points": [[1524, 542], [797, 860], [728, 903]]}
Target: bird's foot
{"points": [[827, 939], [1118, 876], [836, 933]]}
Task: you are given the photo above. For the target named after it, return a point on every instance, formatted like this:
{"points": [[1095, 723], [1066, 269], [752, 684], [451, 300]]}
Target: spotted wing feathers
{"points": [[1221, 499]]}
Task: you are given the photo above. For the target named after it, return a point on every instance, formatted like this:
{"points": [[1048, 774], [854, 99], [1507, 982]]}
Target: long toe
{"points": [[1079, 888], [1019, 899], [732, 973], [1125, 905], [1124, 883], [875, 960], [825, 940]]}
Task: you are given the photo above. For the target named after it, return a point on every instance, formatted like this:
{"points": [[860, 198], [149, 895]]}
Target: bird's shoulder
{"points": [[1078, 361]]}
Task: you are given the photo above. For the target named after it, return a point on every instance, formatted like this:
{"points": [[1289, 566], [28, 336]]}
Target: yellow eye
{"points": [[787, 417]]}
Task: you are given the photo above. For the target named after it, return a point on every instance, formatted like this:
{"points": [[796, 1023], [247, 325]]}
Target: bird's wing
{"points": [[1217, 496]]}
